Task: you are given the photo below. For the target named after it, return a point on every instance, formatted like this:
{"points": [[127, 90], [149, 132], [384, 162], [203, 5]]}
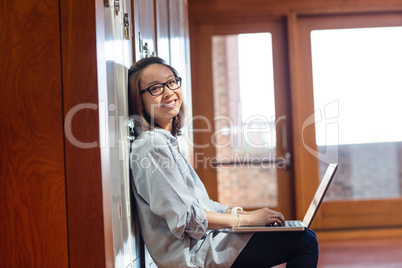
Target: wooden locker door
{"points": [[144, 44], [180, 60], [130, 240], [144, 28], [113, 108], [162, 29], [107, 151]]}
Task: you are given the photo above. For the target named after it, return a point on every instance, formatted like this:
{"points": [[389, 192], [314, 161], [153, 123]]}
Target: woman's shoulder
{"points": [[151, 140]]}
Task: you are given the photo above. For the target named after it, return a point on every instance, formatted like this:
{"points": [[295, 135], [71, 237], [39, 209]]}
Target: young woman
{"points": [[180, 224]]}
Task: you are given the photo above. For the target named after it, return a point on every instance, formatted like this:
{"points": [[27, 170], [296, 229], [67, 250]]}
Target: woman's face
{"points": [[164, 107]]}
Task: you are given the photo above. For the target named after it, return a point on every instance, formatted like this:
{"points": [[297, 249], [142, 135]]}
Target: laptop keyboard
{"points": [[293, 224]]}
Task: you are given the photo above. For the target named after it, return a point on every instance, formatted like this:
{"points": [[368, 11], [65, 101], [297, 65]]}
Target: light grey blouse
{"points": [[171, 202]]}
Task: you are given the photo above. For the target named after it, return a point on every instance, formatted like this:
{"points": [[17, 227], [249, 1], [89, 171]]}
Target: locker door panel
{"points": [[144, 28]]}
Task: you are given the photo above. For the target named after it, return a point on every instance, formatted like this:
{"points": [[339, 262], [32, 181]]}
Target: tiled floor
{"points": [[361, 253]]}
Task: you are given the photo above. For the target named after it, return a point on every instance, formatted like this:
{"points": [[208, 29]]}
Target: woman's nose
{"points": [[167, 92]]}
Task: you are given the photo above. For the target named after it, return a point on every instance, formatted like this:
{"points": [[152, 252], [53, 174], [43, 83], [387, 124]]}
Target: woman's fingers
{"points": [[277, 217], [266, 216]]}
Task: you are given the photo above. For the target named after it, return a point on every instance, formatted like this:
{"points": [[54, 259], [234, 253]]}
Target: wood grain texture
{"points": [[83, 165], [201, 75], [33, 224], [204, 9]]}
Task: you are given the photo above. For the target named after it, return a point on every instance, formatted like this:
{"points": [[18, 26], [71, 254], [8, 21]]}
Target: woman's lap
{"points": [[267, 249]]}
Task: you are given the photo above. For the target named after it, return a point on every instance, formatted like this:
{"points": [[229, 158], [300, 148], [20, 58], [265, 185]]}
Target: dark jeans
{"points": [[267, 249]]}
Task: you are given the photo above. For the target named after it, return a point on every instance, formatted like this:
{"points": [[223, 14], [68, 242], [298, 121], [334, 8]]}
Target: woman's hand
{"points": [[263, 216]]}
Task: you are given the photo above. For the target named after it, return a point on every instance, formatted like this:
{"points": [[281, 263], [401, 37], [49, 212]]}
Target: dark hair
{"points": [[136, 109]]}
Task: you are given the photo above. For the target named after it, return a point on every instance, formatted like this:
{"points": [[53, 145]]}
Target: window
{"points": [[245, 138], [357, 72]]}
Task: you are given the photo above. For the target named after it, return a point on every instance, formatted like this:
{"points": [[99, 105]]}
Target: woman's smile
{"points": [[170, 104]]}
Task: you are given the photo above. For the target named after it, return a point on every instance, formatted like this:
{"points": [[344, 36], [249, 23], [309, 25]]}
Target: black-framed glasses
{"points": [[158, 89]]}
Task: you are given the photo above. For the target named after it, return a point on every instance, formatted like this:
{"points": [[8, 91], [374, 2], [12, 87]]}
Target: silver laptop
{"points": [[311, 211]]}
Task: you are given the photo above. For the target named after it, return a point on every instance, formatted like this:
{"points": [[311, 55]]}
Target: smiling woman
{"points": [[180, 224], [155, 96]]}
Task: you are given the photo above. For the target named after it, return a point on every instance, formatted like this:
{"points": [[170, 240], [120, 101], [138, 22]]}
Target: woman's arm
{"points": [[223, 220], [263, 216]]}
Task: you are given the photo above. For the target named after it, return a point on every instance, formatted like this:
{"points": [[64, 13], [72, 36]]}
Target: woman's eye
{"points": [[173, 82], [155, 89]]}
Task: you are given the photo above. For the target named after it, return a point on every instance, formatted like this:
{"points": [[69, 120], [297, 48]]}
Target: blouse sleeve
{"points": [[163, 187], [218, 207]]}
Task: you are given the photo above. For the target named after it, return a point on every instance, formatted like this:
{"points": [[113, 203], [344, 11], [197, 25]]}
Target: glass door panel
{"points": [[244, 108], [359, 70], [348, 87]]}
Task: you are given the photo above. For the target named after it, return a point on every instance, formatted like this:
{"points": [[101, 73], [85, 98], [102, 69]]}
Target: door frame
{"points": [[202, 85], [332, 214]]}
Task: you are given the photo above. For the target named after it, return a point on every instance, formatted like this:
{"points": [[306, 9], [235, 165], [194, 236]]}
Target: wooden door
{"points": [[113, 114], [144, 28], [366, 189], [33, 226], [274, 168]]}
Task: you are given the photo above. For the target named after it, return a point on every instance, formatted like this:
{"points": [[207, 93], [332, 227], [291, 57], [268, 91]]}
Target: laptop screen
{"points": [[319, 194]]}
